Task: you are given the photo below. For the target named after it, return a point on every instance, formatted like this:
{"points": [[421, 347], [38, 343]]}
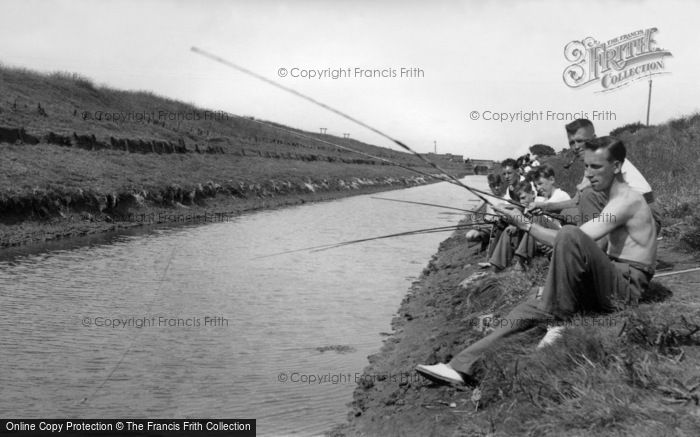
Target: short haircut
{"points": [[616, 150], [523, 187], [494, 179], [545, 171], [577, 124], [510, 162], [531, 176]]}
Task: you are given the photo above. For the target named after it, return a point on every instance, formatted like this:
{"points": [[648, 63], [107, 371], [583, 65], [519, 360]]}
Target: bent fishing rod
{"points": [[435, 205], [323, 247], [331, 109], [478, 193]]}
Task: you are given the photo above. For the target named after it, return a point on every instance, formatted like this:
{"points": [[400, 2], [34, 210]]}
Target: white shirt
{"points": [[634, 178], [558, 195]]}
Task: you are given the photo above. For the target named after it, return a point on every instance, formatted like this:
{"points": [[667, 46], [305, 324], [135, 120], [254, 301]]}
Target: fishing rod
{"points": [[362, 240], [661, 275], [437, 206], [350, 149], [478, 193], [402, 234], [335, 111]]}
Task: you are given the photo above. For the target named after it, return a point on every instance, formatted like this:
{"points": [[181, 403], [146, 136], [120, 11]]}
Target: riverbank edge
{"points": [[371, 404], [207, 205], [392, 399]]}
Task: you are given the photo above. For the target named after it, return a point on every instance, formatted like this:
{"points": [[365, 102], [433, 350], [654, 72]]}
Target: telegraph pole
{"points": [[649, 102]]}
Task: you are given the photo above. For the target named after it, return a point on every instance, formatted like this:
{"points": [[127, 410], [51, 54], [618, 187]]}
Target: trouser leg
{"points": [[522, 317], [580, 278], [495, 236], [503, 251]]}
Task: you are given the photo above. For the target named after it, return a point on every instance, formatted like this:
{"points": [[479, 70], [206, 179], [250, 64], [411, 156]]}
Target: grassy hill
{"points": [[69, 146]]}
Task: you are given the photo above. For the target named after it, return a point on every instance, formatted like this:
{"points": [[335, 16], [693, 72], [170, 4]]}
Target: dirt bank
{"points": [[633, 373], [50, 215]]}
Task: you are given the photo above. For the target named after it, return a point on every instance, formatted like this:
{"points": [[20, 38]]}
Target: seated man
{"points": [[588, 202], [498, 188], [581, 276], [511, 175], [514, 244]]}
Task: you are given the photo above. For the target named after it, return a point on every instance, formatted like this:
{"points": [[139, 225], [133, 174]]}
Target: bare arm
{"points": [[555, 206], [540, 233], [616, 213]]}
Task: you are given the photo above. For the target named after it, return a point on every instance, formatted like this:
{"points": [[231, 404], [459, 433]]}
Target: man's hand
{"points": [[536, 208], [514, 217], [511, 230]]}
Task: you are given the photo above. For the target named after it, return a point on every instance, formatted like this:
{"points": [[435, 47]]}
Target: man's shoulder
{"points": [[627, 198]]}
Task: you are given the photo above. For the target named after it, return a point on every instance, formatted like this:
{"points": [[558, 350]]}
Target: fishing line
{"points": [[133, 340]]}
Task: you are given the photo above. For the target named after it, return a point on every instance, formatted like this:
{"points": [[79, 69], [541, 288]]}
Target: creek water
{"points": [[194, 321]]}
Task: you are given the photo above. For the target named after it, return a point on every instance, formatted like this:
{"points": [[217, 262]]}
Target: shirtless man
{"points": [[581, 276], [588, 201]]}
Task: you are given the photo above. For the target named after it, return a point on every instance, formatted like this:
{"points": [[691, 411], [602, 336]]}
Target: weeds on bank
{"points": [[627, 373]]}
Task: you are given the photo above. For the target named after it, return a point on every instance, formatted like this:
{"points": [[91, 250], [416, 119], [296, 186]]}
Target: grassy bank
{"points": [[632, 373], [76, 158], [635, 372]]}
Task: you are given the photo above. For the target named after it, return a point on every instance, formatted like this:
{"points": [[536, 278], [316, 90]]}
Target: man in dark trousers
{"points": [[581, 278]]}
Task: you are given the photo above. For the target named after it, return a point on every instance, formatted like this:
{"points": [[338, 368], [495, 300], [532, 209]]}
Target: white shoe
{"points": [[473, 235], [540, 291], [473, 278], [553, 334], [441, 373]]}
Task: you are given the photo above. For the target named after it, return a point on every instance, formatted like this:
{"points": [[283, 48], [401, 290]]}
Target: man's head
{"points": [[496, 184], [525, 193], [578, 132], [603, 158], [510, 172], [544, 181]]}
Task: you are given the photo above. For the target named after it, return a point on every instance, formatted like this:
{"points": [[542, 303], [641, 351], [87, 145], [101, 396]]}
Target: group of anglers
{"points": [[603, 247]]}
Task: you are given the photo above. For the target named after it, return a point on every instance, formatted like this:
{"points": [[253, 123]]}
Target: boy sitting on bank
{"points": [[515, 245]]}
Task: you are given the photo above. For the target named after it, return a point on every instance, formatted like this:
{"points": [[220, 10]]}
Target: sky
{"points": [[464, 62]]}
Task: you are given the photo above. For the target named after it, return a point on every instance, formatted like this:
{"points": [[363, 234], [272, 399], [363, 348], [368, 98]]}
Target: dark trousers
{"points": [[520, 244], [581, 278]]}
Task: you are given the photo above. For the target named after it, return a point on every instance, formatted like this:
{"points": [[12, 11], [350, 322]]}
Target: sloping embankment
{"points": [[46, 215], [636, 372]]}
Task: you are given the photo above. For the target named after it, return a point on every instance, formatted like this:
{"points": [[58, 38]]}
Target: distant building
{"points": [[479, 166], [444, 157]]}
